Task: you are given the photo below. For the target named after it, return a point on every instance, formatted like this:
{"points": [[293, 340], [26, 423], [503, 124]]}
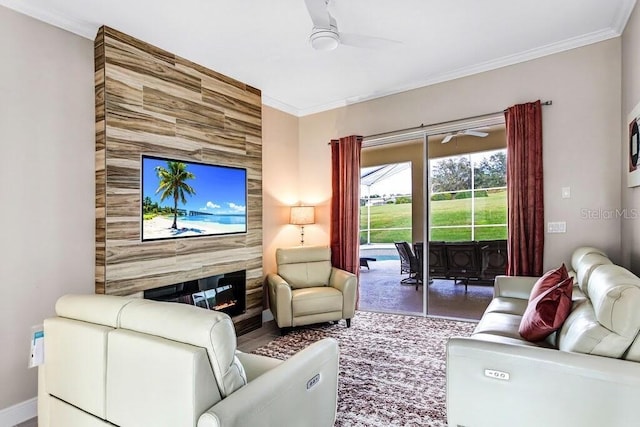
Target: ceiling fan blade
{"points": [[319, 13], [475, 133], [367, 42], [447, 138]]}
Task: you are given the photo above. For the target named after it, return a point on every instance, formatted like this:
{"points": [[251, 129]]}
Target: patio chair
{"points": [[418, 250], [408, 264], [493, 255], [438, 260], [463, 261]]}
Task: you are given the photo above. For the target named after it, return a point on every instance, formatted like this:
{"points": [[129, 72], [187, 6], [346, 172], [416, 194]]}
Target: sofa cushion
{"points": [[547, 312], [76, 359], [577, 255], [507, 305], [585, 267], [548, 280], [501, 324], [304, 267], [160, 381], [307, 301], [615, 294], [608, 322], [103, 310], [581, 333]]}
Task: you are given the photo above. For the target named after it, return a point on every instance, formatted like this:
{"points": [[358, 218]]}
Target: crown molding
{"points": [[279, 105], [76, 26]]}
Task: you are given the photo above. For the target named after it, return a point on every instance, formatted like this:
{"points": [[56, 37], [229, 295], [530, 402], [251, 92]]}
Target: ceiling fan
{"points": [[325, 34], [470, 132]]}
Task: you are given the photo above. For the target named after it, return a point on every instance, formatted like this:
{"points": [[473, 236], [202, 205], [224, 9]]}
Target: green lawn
{"points": [[489, 210]]}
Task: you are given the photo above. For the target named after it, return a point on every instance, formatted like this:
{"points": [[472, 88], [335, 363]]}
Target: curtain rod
{"points": [[417, 128]]}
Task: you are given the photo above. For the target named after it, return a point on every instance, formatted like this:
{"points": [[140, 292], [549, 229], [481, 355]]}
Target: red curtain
{"points": [[345, 203], [525, 244]]}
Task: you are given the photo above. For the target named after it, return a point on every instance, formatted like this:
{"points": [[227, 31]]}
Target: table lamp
{"points": [[302, 215]]}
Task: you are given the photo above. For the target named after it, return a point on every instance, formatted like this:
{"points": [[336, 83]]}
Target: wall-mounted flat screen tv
{"points": [[189, 199]]}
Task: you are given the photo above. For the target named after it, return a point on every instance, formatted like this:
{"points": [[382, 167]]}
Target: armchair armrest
{"points": [[514, 286], [346, 283], [301, 391], [492, 384], [280, 300]]}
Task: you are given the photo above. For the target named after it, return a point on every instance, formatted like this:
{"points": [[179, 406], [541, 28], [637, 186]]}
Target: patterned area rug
{"points": [[392, 367]]}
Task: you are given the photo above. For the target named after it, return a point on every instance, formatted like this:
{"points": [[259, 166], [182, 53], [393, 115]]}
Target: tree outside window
{"points": [[469, 206]]}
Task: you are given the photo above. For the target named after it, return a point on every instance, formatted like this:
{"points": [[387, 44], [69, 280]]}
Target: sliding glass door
{"points": [[433, 223], [467, 215]]}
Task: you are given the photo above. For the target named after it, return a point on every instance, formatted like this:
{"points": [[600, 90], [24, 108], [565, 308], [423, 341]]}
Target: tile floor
{"points": [[381, 290], [33, 422]]}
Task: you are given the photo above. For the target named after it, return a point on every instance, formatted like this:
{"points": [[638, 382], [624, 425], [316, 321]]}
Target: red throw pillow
{"points": [[547, 312], [550, 279]]}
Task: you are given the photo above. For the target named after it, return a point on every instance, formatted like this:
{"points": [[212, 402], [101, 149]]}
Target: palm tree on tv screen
{"points": [[173, 184]]}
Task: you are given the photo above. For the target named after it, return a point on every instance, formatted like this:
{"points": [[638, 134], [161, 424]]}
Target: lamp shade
{"points": [[302, 215]]}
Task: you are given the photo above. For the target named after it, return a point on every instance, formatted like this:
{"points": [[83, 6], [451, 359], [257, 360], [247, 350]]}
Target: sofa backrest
{"points": [[304, 267], [608, 322], [211, 330], [578, 253], [156, 381], [76, 346], [583, 261], [99, 340]]}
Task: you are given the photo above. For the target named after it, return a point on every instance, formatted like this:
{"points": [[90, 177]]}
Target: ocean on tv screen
{"points": [[218, 219]]}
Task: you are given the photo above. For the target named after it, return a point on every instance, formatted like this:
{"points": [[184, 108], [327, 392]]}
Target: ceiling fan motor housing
{"points": [[324, 38]]}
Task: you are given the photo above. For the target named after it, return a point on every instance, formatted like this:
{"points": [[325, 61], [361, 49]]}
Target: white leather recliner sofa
{"points": [[587, 374], [308, 289], [132, 362]]}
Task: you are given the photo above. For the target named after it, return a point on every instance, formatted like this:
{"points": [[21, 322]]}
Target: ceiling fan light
{"points": [[324, 39]]}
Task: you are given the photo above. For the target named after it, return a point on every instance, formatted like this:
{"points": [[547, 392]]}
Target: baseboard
{"points": [[19, 413], [267, 316]]}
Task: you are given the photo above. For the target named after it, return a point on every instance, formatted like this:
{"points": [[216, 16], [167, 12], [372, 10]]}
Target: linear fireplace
{"points": [[222, 292]]}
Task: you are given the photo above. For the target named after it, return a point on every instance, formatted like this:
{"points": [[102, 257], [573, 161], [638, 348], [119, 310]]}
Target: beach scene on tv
{"points": [[184, 199]]}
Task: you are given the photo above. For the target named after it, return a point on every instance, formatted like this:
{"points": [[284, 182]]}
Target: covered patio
{"points": [[381, 289]]}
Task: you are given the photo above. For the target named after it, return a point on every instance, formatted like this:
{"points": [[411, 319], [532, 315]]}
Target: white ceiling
{"points": [[265, 43]]}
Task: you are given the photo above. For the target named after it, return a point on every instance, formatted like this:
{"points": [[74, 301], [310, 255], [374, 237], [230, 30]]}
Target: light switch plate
{"points": [[557, 227], [566, 192]]}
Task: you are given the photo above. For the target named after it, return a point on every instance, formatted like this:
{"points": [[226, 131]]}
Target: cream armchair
{"points": [[307, 289]]}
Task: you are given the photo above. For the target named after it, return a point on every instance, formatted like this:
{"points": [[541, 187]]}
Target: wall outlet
{"points": [[557, 227]]}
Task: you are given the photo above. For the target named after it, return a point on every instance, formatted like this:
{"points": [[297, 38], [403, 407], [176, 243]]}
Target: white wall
{"points": [[47, 143], [630, 98], [581, 134], [279, 183]]}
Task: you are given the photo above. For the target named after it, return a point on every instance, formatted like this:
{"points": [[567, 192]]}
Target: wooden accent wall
{"points": [[149, 101]]}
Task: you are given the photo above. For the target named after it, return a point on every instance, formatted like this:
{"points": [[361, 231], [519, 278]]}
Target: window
{"points": [[385, 203], [469, 197]]}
